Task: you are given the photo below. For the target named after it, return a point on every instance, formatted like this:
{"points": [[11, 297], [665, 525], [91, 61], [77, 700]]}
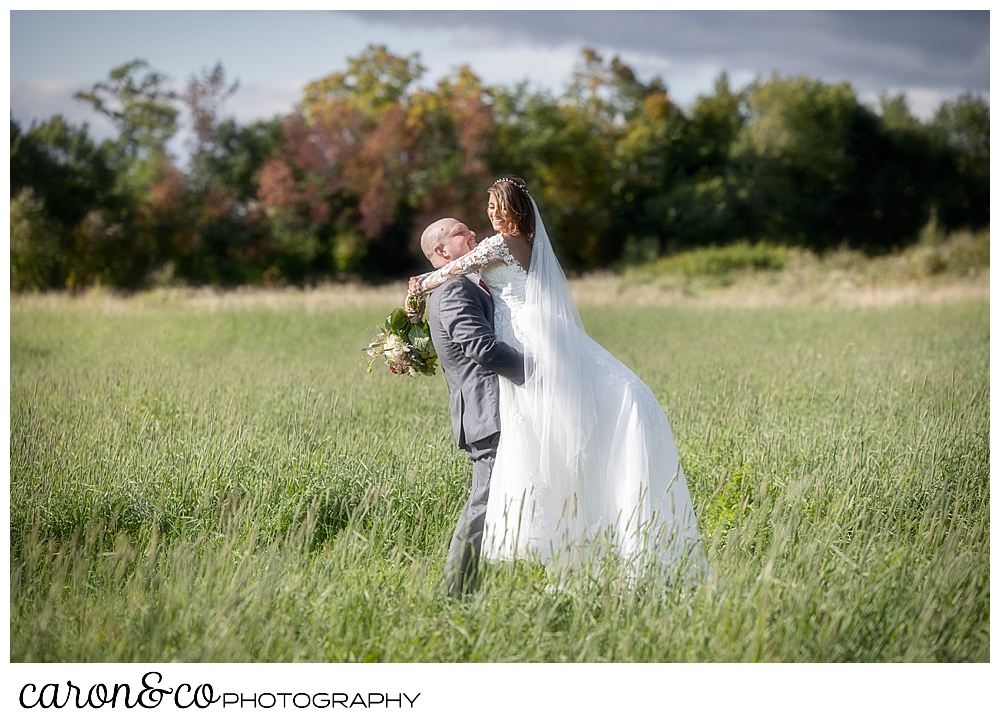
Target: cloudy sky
{"points": [[930, 55]]}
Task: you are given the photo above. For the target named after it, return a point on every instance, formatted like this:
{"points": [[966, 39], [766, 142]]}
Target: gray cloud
{"points": [[944, 50]]}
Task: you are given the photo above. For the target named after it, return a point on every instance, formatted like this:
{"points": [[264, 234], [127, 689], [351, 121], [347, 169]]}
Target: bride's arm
{"points": [[483, 255], [416, 284]]}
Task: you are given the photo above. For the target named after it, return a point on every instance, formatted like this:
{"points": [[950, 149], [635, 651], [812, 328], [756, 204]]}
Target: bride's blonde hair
{"points": [[514, 205]]}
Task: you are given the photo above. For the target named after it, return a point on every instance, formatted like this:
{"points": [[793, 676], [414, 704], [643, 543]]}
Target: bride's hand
{"points": [[415, 286]]}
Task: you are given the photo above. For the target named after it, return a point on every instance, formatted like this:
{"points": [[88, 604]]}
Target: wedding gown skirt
{"points": [[627, 486]]}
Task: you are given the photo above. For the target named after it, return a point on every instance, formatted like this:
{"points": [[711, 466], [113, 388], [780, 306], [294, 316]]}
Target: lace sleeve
{"points": [[492, 250]]}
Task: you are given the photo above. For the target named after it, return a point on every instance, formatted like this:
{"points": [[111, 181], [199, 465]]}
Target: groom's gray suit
{"points": [[460, 315]]}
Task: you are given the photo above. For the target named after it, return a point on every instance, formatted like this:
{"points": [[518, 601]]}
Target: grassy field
{"points": [[218, 479]]}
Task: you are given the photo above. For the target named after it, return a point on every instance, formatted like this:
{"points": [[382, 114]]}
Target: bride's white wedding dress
{"points": [[586, 453]]}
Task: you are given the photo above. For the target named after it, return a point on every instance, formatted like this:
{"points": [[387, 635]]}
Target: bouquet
{"points": [[404, 341]]}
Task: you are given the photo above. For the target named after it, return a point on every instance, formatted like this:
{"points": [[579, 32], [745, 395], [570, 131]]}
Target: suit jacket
{"points": [[460, 316]]}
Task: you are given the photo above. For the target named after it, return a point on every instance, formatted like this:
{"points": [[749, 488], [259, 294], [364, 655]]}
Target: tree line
{"points": [[342, 186]]}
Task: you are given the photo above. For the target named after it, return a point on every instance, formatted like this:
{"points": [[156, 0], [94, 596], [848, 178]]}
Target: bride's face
{"points": [[493, 211]]}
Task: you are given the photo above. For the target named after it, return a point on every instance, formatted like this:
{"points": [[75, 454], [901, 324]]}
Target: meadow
{"points": [[217, 478]]}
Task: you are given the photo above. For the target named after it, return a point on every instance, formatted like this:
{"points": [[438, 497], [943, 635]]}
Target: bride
{"points": [[586, 456]]}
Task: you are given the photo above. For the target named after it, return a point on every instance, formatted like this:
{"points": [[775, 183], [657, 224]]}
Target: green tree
{"points": [[902, 167], [136, 99], [68, 172], [677, 172], [153, 225], [894, 111], [73, 190], [565, 149], [824, 171], [708, 204], [373, 83], [962, 130], [566, 161], [229, 241]]}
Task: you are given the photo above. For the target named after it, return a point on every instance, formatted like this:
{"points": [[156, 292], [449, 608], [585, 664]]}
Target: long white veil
{"points": [[560, 375]]}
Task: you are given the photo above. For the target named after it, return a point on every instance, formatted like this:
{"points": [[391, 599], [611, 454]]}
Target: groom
{"points": [[460, 315]]}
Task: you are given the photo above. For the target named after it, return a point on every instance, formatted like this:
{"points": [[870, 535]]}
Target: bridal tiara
{"points": [[510, 180]]}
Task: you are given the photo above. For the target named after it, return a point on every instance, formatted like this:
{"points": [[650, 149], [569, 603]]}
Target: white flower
{"points": [[394, 345]]}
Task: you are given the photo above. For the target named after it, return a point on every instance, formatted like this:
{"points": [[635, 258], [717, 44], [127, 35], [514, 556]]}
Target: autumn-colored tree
{"points": [[366, 161], [204, 97], [334, 191], [454, 132]]}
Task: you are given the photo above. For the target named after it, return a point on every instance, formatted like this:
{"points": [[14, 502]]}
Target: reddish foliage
{"points": [[219, 204], [384, 163], [344, 153], [276, 188], [337, 149], [166, 194]]}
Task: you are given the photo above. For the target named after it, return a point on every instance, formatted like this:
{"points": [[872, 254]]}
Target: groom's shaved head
{"points": [[446, 240], [433, 234]]}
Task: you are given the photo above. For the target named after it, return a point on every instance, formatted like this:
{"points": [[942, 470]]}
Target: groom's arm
{"points": [[464, 319]]}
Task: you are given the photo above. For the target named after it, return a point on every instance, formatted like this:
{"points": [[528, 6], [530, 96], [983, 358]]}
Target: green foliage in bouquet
{"points": [[404, 344]]}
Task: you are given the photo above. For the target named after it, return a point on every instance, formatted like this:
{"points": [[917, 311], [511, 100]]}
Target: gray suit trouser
{"points": [[462, 568]]}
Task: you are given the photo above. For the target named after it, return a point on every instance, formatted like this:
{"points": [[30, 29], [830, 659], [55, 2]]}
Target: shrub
{"points": [[721, 261], [34, 243]]}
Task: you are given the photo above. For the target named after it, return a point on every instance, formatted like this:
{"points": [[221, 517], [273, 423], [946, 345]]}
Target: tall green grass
{"points": [[232, 486]]}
